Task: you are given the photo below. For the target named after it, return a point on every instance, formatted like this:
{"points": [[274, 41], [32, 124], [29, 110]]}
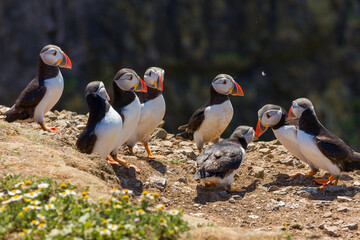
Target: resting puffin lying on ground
{"points": [[218, 163], [152, 109], [285, 130], [211, 120], [127, 104], [43, 92], [323, 148]]}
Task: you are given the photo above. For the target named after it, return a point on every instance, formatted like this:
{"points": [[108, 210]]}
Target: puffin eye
{"points": [[268, 115], [131, 77], [55, 52], [224, 82]]}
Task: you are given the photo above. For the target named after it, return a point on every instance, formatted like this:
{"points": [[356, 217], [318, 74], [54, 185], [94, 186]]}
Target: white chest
{"points": [[131, 116], [217, 118], [310, 150], [54, 88], [107, 133]]}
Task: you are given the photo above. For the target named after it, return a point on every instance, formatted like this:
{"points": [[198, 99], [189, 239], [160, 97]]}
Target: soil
{"points": [[268, 203]]}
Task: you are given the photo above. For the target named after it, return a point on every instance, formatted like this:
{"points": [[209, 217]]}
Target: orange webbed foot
{"points": [[309, 174], [211, 183], [155, 156], [295, 175], [321, 180]]}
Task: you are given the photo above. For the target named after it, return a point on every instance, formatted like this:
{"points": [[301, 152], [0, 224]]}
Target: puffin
{"points": [[44, 91], [152, 110], [127, 104], [210, 121], [322, 147], [285, 130], [218, 163], [101, 134]]}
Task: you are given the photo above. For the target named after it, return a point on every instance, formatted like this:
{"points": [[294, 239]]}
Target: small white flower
{"points": [[40, 216], [140, 212], [31, 195], [42, 226], [52, 199], [129, 227], [160, 206], [113, 227], [114, 191], [118, 206], [127, 191], [1, 194], [14, 192], [70, 192], [6, 201], [105, 232], [36, 202], [18, 184], [49, 207], [16, 198], [34, 222], [2, 209], [35, 207], [63, 194], [43, 185], [174, 212]]}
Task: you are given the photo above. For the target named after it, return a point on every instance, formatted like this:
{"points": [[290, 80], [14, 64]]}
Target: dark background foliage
{"points": [[306, 49]]}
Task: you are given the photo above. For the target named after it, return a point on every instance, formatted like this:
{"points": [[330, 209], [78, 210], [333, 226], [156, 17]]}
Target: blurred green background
{"points": [[305, 48]]}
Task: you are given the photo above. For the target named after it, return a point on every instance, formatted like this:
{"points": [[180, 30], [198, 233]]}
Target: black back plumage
{"points": [[98, 107], [31, 96], [151, 94], [333, 147]]}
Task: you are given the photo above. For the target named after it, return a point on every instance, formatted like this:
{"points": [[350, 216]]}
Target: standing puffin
{"points": [[323, 148], [285, 130], [218, 163], [211, 120], [43, 92], [126, 103], [101, 134], [152, 109]]}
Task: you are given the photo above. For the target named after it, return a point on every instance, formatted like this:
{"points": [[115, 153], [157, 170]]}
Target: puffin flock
{"points": [[132, 118]]}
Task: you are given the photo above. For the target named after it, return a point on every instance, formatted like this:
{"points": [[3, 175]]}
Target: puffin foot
{"points": [[111, 161], [150, 155], [327, 183], [211, 183], [55, 130], [311, 173], [295, 175], [45, 128], [321, 180], [131, 150]]}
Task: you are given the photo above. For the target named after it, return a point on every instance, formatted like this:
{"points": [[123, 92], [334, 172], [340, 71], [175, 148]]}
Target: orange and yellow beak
{"points": [[107, 97], [237, 91], [160, 83], [65, 63], [291, 115], [141, 87], [260, 129]]}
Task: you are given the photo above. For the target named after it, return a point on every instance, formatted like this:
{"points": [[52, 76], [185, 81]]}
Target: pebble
{"points": [[273, 188], [167, 143], [80, 126], [159, 182], [327, 214], [332, 231], [287, 161], [343, 209], [343, 199], [257, 172], [351, 226], [160, 133], [280, 192], [232, 200], [182, 179], [357, 183], [265, 151]]}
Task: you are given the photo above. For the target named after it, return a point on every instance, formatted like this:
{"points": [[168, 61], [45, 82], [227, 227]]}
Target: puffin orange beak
{"points": [[65, 63], [141, 87], [260, 129], [291, 115], [107, 97], [237, 91], [160, 83]]}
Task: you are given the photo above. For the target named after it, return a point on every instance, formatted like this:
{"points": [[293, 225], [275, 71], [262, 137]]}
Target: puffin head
{"points": [[244, 132], [53, 56], [154, 78], [269, 115], [97, 88], [299, 106], [127, 80], [225, 84]]}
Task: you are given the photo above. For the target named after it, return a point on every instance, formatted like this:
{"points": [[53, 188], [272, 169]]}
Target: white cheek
{"points": [[49, 59], [221, 88], [149, 81], [297, 112]]}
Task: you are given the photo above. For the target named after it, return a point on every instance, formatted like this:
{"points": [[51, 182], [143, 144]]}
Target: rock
{"points": [[297, 226], [343, 209], [167, 143], [232, 200], [265, 151], [237, 197], [287, 161], [332, 231], [159, 133], [343, 199], [273, 188], [80, 126], [334, 189], [159, 182], [182, 179], [223, 193], [322, 225], [327, 214], [185, 143], [280, 192], [250, 147], [351, 226], [257, 172], [357, 183]]}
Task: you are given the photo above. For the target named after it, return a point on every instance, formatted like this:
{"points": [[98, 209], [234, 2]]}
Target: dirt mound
{"points": [[267, 205]]}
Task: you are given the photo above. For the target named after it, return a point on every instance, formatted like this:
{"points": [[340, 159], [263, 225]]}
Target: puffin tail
{"points": [[356, 162], [185, 135]]}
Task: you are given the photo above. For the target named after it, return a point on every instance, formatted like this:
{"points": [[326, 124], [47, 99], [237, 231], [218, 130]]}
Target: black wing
{"points": [[293, 122], [196, 119], [28, 99], [86, 141], [222, 157]]}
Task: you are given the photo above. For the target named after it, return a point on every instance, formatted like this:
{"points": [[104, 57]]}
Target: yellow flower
{"points": [[27, 182], [21, 214], [86, 196], [160, 206], [285, 223], [26, 209], [161, 219], [63, 185], [140, 212], [144, 192], [156, 195], [100, 198], [125, 197], [27, 200], [37, 191], [34, 222], [69, 182], [84, 193]]}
